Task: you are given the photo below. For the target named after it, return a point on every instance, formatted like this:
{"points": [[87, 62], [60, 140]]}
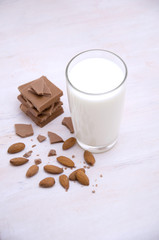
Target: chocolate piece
{"points": [[39, 88], [67, 121], [33, 145], [24, 130], [41, 138], [28, 154], [37, 161], [49, 119], [52, 153], [46, 90], [54, 138], [41, 102]]}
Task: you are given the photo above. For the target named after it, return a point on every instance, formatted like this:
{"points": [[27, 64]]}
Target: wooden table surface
{"points": [[39, 38]]}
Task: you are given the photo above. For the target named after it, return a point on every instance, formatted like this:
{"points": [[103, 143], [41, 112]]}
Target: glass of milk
{"points": [[96, 90]]}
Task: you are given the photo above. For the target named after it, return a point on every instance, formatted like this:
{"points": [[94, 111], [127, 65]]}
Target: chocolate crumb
{"points": [[37, 161], [28, 154], [24, 130], [52, 153], [73, 156], [41, 138], [93, 191], [101, 175], [33, 145], [96, 185], [65, 168], [37, 154], [88, 167], [84, 166], [31, 139]]}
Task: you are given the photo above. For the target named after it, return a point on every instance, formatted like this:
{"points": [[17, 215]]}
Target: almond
{"points": [[47, 182], [69, 143], [82, 178], [64, 181], [53, 169], [18, 161], [72, 176], [16, 147], [32, 171], [89, 158], [65, 161]]}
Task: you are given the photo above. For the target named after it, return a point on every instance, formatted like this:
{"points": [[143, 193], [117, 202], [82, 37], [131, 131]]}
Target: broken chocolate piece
{"points": [[41, 138], [39, 87], [28, 154], [24, 130], [54, 138], [67, 121], [37, 161], [46, 90], [52, 153]]}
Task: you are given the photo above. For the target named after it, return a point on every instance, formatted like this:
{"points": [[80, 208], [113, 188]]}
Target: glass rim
{"points": [[97, 50]]}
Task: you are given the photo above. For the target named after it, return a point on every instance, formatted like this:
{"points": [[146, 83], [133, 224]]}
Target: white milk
{"points": [[96, 109]]}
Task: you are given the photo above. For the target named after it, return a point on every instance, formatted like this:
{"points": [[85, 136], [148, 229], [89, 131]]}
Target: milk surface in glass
{"points": [[96, 101]]}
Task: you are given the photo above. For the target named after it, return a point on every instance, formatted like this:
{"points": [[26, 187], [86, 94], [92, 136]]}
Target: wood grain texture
{"points": [[39, 38]]}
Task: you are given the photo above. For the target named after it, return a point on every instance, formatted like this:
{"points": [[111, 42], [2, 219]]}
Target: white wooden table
{"points": [[39, 38]]}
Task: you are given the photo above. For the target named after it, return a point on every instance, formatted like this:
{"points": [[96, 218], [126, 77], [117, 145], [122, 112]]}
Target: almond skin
{"points": [[72, 176], [82, 178], [16, 147], [65, 161], [89, 158], [18, 161], [64, 181], [47, 182], [69, 143], [32, 171], [53, 169]]}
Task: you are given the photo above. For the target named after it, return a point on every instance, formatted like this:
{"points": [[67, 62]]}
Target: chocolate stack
{"points": [[40, 100]]}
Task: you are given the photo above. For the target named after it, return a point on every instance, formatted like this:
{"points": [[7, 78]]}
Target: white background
{"points": [[39, 38]]}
